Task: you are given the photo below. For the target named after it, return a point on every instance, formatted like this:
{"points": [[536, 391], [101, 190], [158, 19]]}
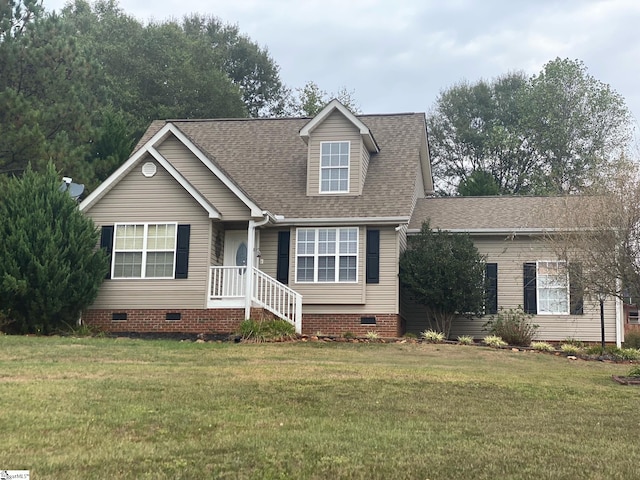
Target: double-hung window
{"points": [[334, 167], [327, 254], [144, 250], [552, 283]]}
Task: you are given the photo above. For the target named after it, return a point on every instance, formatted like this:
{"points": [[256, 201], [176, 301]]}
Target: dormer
{"points": [[339, 150]]}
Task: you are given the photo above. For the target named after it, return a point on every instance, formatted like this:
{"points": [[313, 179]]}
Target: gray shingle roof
{"points": [[486, 213], [267, 159]]}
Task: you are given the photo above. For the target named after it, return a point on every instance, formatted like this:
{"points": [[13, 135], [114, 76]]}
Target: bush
{"points": [[465, 340], [373, 335], [432, 336], [634, 372], [348, 335], [632, 339], [513, 326], [50, 269], [570, 349], [266, 330], [543, 347], [494, 341]]}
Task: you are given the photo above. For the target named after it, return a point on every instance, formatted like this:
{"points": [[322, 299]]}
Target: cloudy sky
{"points": [[397, 55]]}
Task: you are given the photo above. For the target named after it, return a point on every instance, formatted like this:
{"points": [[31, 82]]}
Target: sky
{"points": [[398, 55]]}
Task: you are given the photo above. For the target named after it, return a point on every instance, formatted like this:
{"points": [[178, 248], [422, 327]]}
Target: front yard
{"points": [[105, 408]]}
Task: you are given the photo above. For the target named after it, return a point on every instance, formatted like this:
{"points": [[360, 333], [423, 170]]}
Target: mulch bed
{"points": [[626, 380]]}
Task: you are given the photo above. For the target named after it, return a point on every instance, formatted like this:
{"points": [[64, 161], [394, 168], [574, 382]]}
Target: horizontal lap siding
{"points": [[335, 128], [191, 168], [510, 254], [269, 252], [137, 199], [383, 296]]}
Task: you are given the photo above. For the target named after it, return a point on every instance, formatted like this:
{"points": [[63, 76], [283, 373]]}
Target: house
{"points": [[210, 222]]}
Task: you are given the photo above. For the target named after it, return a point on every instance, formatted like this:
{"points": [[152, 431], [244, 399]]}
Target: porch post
{"points": [[248, 291]]}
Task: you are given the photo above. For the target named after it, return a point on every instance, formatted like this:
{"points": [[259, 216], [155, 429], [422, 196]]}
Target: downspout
{"points": [[251, 254]]}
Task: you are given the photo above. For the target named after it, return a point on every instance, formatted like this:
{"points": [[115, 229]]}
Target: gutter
{"points": [[282, 220]]}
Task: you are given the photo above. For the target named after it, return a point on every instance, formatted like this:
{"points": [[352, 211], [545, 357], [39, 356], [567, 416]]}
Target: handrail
{"points": [[267, 292], [276, 297]]}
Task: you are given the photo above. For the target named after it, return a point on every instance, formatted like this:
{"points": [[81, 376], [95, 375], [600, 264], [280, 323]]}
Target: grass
{"points": [[103, 408]]}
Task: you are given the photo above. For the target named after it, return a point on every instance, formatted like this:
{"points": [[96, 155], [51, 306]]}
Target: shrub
{"points": [[266, 330], [373, 335], [494, 341], [432, 336], [410, 335], [543, 347], [628, 354], [570, 349], [632, 339], [348, 335], [50, 269], [465, 340], [634, 372], [573, 341], [513, 326]]}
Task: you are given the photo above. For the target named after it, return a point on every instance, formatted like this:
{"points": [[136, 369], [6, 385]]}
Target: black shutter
{"points": [[373, 256], [106, 242], [282, 273], [182, 251], [530, 296], [576, 293], [491, 275]]}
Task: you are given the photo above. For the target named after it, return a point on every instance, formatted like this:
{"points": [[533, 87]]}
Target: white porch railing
{"points": [[267, 292]]}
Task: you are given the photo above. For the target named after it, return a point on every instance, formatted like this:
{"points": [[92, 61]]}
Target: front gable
{"points": [[191, 168]]}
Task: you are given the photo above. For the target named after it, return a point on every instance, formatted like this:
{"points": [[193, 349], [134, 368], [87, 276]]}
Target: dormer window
{"points": [[334, 167]]}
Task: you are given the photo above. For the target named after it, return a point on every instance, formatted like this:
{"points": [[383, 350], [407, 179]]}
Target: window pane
{"points": [[347, 269], [127, 265], [305, 269], [129, 237], [326, 269], [349, 241], [161, 237], [306, 242], [326, 241], [159, 264]]}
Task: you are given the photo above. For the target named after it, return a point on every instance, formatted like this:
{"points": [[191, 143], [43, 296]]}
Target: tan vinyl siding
{"points": [[364, 166], [510, 254], [382, 297], [335, 128], [217, 244], [269, 252], [137, 199], [418, 191], [196, 173]]}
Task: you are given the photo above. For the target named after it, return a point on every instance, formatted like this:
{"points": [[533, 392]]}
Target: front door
{"points": [[235, 255]]}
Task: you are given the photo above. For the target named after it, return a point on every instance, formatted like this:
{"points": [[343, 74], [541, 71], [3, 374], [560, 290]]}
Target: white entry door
{"points": [[235, 255]]}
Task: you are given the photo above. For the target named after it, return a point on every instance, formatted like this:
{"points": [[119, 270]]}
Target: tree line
{"points": [[80, 87]]}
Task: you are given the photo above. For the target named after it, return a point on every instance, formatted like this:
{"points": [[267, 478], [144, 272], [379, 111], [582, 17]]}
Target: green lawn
{"points": [[105, 408]]}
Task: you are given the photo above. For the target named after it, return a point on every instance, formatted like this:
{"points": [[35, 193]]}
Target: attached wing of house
{"points": [[522, 268], [210, 222]]}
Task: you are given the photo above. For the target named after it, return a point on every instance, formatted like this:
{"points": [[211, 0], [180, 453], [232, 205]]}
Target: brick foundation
{"points": [[223, 320], [386, 325], [227, 320]]}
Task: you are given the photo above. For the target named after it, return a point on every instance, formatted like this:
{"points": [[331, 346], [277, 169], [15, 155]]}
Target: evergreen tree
{"points": [[50, 269], [445, 273]]}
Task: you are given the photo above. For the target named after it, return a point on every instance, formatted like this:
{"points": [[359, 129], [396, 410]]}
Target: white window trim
{"points": [[331, 192], [337, 256], [145, 250], [568, 288]]}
